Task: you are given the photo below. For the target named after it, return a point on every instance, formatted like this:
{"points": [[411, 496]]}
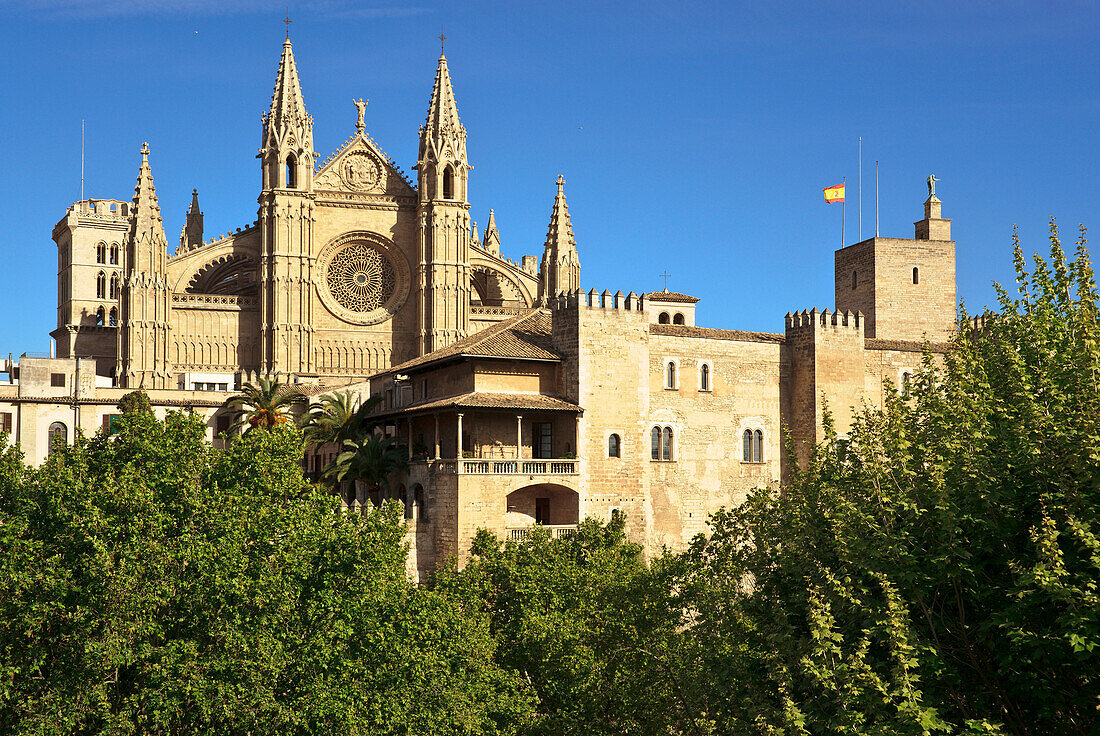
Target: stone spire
{"points": [[475, 239], [287, 130], [443, 137], [561, 266], [145, 304], [147, 242], [492, 235], [191, 237]]}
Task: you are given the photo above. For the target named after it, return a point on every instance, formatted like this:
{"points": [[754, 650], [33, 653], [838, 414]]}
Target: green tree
{"points": [[584, 621], [267, 403], [938, 570], [371, 458], [151, 585]]}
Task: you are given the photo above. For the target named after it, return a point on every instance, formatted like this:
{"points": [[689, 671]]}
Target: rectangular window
{"points": [[542, 510], [223, 386], [424, 389], [221, 424], [543, 445], [110, 423], [5, 421], [57, 379]]}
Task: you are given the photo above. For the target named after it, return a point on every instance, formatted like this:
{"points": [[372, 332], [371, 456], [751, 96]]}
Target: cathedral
{"points": [[521, 399], [349, 267]]}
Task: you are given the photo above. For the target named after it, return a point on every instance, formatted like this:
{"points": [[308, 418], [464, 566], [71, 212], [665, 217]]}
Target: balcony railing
{"points": [[557, 531], [519, 467]]}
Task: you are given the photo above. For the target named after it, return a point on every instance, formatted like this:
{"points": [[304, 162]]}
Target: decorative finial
{"points": [[288, 21], [665, 276], [145, 151], [361, 106], [441, 38], [932, 185], [561, 182]]}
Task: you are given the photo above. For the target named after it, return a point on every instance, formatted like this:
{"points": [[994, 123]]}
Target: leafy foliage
{"points": [[584, 621], [937, 571], [151, 585]]}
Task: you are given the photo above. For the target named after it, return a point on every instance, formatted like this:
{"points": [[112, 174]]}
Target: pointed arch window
{"points": [[906, 384], [100, 317], [448, 182], [114, 286], [101, 253], [655, 444], [101, 285], [114, 254], [670, 375], [114, 317], [666, 450], [704, 377], [291, 171]]}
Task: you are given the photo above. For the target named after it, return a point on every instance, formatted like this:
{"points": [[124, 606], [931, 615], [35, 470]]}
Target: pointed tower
{"points": [[286, 217], [191, 237], [561, 267], [145, 299], [443, 221], [492, 235]]}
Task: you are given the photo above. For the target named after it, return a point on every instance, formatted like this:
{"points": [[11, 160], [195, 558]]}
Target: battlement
{"points": [[598, 300], [107, 209], [812, 319]]}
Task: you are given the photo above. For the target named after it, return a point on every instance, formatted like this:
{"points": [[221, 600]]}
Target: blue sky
{"points": [[695, 137]]}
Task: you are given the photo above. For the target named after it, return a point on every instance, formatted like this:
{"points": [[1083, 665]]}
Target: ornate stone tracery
{"points": [[364, 280]]}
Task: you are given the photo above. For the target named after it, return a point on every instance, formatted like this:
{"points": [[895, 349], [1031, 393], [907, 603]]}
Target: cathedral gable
{"points": [[360, 167]]}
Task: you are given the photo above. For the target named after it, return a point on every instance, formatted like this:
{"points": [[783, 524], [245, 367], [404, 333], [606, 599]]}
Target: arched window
{"points": [[746, 450], [655, 448], [662, 318], [100, 317], [114, 317], [666, 451], [291, 171], [114, 286], [114, 253], [613, 443], [678, 319], [906, 379], [59, 436], [101, 253], [101, 285], [670, 375], [853, 280], [704, 377], [448, 183], [916, 275], [758, 446]]}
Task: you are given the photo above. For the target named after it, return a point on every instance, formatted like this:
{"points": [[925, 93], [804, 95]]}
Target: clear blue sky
{"points": [[694, 137]]}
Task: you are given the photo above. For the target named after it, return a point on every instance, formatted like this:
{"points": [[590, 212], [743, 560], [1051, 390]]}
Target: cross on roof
{"points": [[441, 38], [665, 276], [288, 21]]}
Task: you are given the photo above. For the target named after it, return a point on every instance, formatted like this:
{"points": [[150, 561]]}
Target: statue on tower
{"points": [[932, 185], [361, 106]]}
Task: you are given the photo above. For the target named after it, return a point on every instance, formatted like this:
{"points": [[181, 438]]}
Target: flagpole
{"points": [[843, 206], [81, 160], [876, 198], [860, 204]]}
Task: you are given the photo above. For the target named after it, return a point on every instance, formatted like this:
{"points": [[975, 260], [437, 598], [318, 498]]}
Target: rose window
{"points": [[360, 278]]}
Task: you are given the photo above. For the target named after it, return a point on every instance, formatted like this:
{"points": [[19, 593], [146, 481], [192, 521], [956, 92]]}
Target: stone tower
{"points": [[286, 217], [904, 288], [145, 302], [443, 221], [491, 240], [561, 267]]}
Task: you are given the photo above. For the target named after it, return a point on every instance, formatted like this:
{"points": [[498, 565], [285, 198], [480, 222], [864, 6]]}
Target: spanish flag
{"points": [[834, 193]]}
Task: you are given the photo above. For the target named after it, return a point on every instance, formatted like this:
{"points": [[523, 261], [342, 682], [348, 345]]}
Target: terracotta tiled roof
{"points": [[527, 336], [908, 346], [670, 296], [523, 402], [715, 334]]}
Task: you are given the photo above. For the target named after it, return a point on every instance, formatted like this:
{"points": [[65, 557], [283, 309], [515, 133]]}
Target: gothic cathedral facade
{"points": [[348, 269]]}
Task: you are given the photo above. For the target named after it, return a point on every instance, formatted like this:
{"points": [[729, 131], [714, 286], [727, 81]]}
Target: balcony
{"points": [[519, 467], [557, 531]]}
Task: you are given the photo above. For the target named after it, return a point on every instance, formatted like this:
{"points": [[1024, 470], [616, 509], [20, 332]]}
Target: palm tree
{"points": [[371, 458], [334, 418], [266, 404]]}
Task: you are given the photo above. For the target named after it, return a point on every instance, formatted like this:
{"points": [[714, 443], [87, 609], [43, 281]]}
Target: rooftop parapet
{"points": [[812, 319], [599, 300]]}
